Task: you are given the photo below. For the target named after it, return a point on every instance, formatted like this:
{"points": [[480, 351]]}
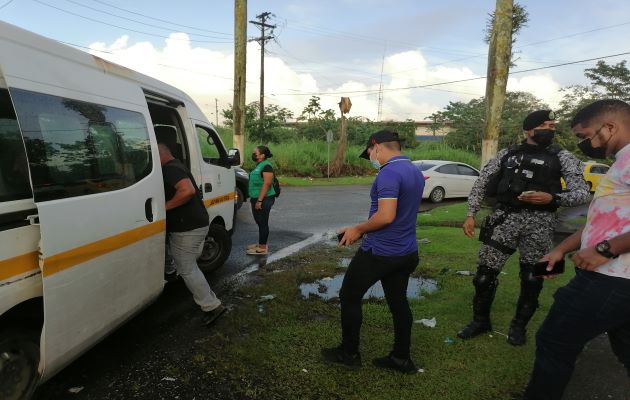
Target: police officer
{"points": [[525, 180]]}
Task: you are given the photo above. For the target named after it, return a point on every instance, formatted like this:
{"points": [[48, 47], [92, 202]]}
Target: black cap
{"points": [[380, 137], [537, 118]]}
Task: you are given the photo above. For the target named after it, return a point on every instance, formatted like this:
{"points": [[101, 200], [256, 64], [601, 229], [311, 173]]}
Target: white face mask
{"points": [[374, 162]]}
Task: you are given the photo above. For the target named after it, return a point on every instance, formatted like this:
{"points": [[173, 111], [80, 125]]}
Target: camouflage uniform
{"points": [[528, 230]]}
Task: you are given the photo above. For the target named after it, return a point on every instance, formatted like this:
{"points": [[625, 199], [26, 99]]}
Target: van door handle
{"points": [[148, 209], [207, 187]]}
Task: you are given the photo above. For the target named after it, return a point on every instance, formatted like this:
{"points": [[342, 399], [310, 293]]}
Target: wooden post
{"points": [[240, 61], [340, 154], [499, 56]]}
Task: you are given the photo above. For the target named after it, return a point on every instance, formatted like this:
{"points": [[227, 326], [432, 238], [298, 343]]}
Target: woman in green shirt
{"points": [[262, 196]]}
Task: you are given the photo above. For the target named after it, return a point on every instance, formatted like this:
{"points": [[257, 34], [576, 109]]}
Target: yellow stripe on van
{"points": [[18, 265], [70, 258], [218, 200]]}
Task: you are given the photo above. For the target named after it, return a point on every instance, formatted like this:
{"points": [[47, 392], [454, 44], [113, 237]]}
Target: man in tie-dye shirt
{"points": [[597, 299]]}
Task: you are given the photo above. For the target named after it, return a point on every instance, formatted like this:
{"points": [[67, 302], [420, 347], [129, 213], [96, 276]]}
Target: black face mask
{"points": [[543, 137], [254, 158], [594, 152]]}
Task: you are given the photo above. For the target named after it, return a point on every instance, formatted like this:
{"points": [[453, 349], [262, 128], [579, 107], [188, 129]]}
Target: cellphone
{"points": [[340, 236], [540, 268]]}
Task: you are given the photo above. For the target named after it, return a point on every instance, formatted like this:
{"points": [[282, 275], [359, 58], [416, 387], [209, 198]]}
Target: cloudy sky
{"points": [[336, 48]]}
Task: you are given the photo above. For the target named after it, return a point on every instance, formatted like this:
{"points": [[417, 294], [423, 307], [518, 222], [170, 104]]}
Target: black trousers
{"points": [[365, 270], [262, 217]]}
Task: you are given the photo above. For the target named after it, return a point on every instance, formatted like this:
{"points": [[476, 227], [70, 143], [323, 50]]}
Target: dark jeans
{"points": [[589, 305], [365, 270], [262, 217]]}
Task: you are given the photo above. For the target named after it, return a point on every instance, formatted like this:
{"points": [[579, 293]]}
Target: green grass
{"points": [[270, 350], [451, 215], [310, 159]]}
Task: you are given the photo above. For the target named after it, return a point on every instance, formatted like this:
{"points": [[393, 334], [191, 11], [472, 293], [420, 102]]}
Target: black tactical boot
{"points": [[486, 283], [526, 306]]}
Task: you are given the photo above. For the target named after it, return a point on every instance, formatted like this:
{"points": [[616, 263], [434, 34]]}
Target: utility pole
{"points": [[499, 56], [240, 62], [262, 25], [216, 111]]}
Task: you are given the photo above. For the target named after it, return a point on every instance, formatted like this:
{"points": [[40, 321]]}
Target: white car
{"points": [[445, 179]]}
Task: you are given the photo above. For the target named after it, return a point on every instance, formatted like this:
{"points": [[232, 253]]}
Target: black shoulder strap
{"points": [[553, 149]]}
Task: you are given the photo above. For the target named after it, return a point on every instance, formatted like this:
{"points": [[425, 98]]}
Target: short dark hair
{"points": [[264, 150], [598, 108]]}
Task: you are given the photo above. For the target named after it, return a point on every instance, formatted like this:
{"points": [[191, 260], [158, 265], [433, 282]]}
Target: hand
{"points": [[258, 205], [589, 259], [539, 198], [350, 235], [552, 258], [469, 227]]}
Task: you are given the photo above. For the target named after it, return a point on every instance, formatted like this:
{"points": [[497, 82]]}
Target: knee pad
{"points": [[530, 285], [485, 278]]}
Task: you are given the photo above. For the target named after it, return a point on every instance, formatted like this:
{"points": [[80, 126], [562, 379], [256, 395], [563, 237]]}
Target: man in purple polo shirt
{"points": [[389, 253]]}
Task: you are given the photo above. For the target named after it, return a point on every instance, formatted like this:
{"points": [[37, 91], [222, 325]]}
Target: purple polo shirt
{"points": [[397, 179]]}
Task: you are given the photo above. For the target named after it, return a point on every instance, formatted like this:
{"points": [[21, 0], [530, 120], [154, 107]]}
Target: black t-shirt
{"points": [[188, 216]]}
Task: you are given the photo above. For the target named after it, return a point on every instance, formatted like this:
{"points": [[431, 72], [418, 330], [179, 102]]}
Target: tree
{"points": [[520, 18], [265, 130], [468, 120]]}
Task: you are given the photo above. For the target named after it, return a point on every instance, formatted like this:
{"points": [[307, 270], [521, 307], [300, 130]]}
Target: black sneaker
{"points": [[339, 356], [474, 328], [517, 335], [211, 316], [404, 365]]}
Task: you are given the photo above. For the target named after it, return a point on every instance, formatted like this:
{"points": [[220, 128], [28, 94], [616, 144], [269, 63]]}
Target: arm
{"points": [[267, 182], [384, 215], [478, 191], [184, 191], [589, 259], [577, 190]]}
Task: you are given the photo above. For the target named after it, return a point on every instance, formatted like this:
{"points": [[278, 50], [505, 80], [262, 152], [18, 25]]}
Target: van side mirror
{"points": [[234, 157]]}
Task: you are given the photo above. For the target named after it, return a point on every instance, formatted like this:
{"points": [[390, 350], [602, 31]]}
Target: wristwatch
{"points": [[603, 248]]}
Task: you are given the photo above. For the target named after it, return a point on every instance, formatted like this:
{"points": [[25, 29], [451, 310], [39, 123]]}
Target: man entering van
{"points": [[187, 226]]}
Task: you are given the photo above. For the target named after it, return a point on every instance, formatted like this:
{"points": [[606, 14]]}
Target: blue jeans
{"points": [[589, 305], [185, 248]]}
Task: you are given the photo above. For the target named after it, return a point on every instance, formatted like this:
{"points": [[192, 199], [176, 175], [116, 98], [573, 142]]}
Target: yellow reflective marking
{"points": [[18, 265]]}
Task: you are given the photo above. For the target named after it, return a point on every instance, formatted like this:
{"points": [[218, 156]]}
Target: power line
{"points": [[160, 20], [139, 22], [6, 4], [121, 27], [467, 79]]}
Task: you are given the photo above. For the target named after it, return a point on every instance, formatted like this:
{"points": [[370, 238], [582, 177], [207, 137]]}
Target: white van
{"points": [[82, 219]]}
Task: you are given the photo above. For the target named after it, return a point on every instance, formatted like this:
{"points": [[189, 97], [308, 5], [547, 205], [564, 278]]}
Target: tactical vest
{"points": [[527, 167]]}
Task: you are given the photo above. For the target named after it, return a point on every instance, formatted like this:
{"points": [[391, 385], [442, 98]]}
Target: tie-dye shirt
{"points": [[609, 213]]}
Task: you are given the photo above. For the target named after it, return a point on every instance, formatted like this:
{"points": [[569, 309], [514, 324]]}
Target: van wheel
{"points": [[19, 359], [437, 195], [216, 248], [240, 198]]}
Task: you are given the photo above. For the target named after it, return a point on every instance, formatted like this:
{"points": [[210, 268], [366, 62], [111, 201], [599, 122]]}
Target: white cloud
{"points": [[206, 74]]}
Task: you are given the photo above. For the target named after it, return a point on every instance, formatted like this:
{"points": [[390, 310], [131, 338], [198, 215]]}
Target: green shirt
{"points": [[256, 180]]}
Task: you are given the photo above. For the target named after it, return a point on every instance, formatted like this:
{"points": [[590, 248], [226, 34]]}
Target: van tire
{"points": [[240, 198], [19, 361], [216, 248]]}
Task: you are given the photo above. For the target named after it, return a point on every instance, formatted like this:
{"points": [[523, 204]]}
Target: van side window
{"points": [[77, 148], [212, 149], [14, 178]]}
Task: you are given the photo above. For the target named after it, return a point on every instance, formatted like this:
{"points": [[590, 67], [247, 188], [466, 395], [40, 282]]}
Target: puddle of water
{"points": [[328, 288], [344, 262]]}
